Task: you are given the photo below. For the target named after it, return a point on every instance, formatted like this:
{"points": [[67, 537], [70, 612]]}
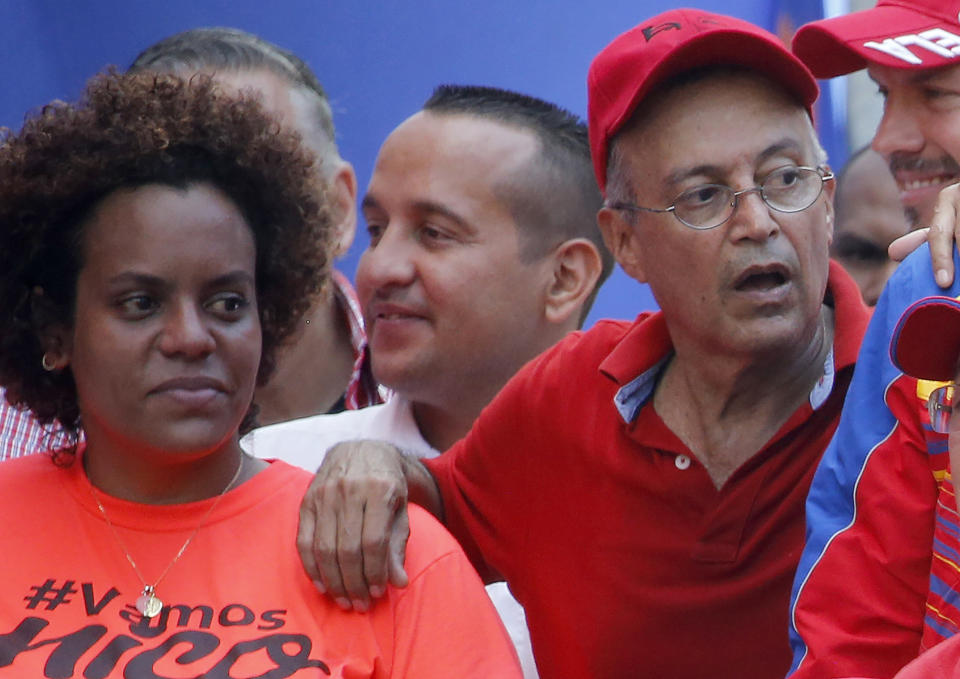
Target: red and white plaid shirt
{"points": [[21, 434], [363, 390]]}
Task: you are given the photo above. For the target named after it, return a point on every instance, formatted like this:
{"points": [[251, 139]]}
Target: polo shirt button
{"points": [[682, 462]]}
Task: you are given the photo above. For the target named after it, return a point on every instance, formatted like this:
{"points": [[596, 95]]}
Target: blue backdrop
{"points": [[379, 60]]}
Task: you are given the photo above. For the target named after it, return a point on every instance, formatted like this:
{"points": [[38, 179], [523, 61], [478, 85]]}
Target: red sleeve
{"points": [[444, 623], [860, 611], [859, 599], [492, 480]]}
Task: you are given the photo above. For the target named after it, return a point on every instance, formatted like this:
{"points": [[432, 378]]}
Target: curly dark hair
{"points": [[128, 131]]}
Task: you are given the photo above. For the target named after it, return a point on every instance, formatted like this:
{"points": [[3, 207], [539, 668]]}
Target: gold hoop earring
{"points": [[48, 364]]}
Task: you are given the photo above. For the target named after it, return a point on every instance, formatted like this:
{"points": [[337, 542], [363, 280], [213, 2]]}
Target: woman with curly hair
{"points": [[158, 241]]}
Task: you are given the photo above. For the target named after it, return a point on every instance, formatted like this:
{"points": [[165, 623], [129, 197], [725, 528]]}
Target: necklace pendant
{"points": [[148, 604]]}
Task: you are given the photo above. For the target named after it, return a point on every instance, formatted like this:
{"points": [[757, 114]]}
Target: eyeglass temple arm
{"points": [[617, 205]]}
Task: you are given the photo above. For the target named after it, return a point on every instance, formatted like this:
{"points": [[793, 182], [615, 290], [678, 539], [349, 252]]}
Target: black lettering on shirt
{"points": [[272, 618], [94, 607], [247, 616]]}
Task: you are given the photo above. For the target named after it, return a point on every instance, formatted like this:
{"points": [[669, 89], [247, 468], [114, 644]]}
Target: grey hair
{"points": [[239, 51]]}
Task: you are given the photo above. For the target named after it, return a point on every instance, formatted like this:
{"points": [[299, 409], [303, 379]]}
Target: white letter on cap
{"points": [[894, 49], [943, 38], [920, 41]]}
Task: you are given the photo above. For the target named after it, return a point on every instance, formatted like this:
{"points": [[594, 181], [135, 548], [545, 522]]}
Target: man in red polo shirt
{"points": [[640, 486]]}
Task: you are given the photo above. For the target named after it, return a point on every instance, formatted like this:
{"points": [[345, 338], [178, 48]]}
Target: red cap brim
{"points": [[926, 340], [832, 47]]}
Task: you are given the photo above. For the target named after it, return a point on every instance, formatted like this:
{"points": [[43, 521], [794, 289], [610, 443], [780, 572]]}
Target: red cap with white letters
{"points": [[911, 34]]}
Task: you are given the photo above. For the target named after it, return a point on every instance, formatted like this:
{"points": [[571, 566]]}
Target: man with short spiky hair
{"points": [[483, 252]]}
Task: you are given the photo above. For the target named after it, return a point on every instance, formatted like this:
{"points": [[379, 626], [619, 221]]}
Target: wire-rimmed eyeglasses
{"points": [[792, 188], [940, 406]]}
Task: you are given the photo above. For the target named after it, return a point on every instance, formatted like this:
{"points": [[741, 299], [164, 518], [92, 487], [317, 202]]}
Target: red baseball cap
{"points": [[926, 340], [913, 34], [670, 43]]}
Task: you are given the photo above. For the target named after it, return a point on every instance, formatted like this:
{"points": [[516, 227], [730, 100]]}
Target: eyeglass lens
{"points": [[789, 189], [940, 407]]}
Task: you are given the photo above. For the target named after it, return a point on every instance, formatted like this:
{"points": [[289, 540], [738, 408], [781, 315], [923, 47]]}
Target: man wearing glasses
{"points": [[640, 486]]}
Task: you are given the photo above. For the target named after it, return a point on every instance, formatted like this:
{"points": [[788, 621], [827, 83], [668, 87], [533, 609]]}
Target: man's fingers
{"points": [[347, 522], [379, 517], [943, 234], [396, 554], [350, 555], [904, 245], [305, 541], [324, 551]]}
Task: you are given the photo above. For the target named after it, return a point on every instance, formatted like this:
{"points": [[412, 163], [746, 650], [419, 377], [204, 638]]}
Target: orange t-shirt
{"points": [[236, 604]]}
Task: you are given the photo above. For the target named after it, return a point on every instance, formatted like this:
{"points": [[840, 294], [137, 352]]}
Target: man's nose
{"points": [[752, 218], [391, 262], [899, 130]]}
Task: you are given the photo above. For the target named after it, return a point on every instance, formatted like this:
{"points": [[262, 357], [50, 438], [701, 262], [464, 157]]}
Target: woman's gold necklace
{"points": [[148, 603]]}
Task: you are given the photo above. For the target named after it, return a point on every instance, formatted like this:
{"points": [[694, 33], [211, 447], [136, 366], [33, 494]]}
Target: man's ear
{"points": [[342, 192], [622, 240], [576, 269]]}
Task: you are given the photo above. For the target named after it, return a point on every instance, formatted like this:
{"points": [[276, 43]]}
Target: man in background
{"points": [[324, 368], [869, 218]]}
